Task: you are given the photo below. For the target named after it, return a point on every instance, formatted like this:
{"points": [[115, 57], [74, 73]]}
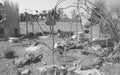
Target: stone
{"points": [[25, 72]]}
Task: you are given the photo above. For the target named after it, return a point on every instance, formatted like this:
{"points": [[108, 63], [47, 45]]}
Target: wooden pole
{"points": [[26, 23], [39, 25], [76, 28], [53, 42], [50, 30], [81, 24], [80, 15], [91, 36], [99, 32], [65, 54], [71, 28], [33, 26]]}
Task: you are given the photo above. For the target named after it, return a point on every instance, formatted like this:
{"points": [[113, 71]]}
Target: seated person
{"points": [[59, 32], [16, 33]]}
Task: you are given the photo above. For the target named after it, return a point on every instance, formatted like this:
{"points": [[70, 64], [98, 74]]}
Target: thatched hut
{"points": [[11, 13], [1, 20]]}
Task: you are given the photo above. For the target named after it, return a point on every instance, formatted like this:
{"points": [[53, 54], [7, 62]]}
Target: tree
{"points": [[101, 5], [115, 9], [61, 13], [65, 18], [22, 17], [105, 21], [98, 11], [43, 14], [73, 14], [44, 11]]}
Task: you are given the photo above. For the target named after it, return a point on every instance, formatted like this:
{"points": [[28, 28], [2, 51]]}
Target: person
{"points": [[16, 32], [59, 32]]}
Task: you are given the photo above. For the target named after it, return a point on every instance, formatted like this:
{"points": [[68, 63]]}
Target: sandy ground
{"points": [[7, 67]]}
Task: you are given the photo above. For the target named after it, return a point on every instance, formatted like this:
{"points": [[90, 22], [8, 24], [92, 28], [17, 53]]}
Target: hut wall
{"points": [[12, 18]]}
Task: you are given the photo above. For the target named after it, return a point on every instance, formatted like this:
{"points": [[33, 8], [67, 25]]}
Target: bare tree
{"points": [[44, 11], [60, 12]]}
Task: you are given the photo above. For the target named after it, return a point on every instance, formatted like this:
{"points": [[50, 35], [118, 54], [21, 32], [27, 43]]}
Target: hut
{"points": [[1, 20], [11, 16]]}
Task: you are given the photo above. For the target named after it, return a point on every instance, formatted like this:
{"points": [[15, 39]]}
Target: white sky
{"points": [[49, 4], [42, 5], [39, 4]]}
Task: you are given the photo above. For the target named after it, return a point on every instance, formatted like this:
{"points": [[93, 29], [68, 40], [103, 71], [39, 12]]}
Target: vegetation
{"points": [[63, 16], [105, 21]]}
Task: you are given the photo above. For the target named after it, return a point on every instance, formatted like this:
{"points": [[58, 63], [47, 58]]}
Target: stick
{"points": [[71, 28], [99, 33], [76, 28], [26, 23], [50, 30], [39, 25], [80, 16], [33, 26], [91, 36], [53, 42], [116, 50], [65, 54]]}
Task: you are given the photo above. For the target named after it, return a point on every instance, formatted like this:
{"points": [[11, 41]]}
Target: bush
{"points": [[9, 53], [38, 34], [86, 31], [30, 34]]}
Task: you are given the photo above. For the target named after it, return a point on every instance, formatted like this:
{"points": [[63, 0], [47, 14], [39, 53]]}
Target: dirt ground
{"points": [[7, 67]]}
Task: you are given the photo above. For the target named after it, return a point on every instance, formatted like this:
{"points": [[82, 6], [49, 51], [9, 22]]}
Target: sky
{"points": [[49, 4], [39, 4]]}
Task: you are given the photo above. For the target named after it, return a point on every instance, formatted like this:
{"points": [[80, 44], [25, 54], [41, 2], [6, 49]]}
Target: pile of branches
{"points": [[103, 18]]}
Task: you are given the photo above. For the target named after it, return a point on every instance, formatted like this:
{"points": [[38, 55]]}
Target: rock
{"points": [[46, 67], [13, 39], [25, 72], [20, 61], [74, 37], [33, 48], [88, 72]]}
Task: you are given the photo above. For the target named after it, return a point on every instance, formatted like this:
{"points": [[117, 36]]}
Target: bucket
{"points": [[81, 35]]}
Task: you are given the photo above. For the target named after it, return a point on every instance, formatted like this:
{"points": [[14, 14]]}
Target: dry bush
{"points": [[9, 53]]}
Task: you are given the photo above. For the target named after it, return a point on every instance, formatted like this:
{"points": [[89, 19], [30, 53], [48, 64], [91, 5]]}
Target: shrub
{"points": [[9, 53]]}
